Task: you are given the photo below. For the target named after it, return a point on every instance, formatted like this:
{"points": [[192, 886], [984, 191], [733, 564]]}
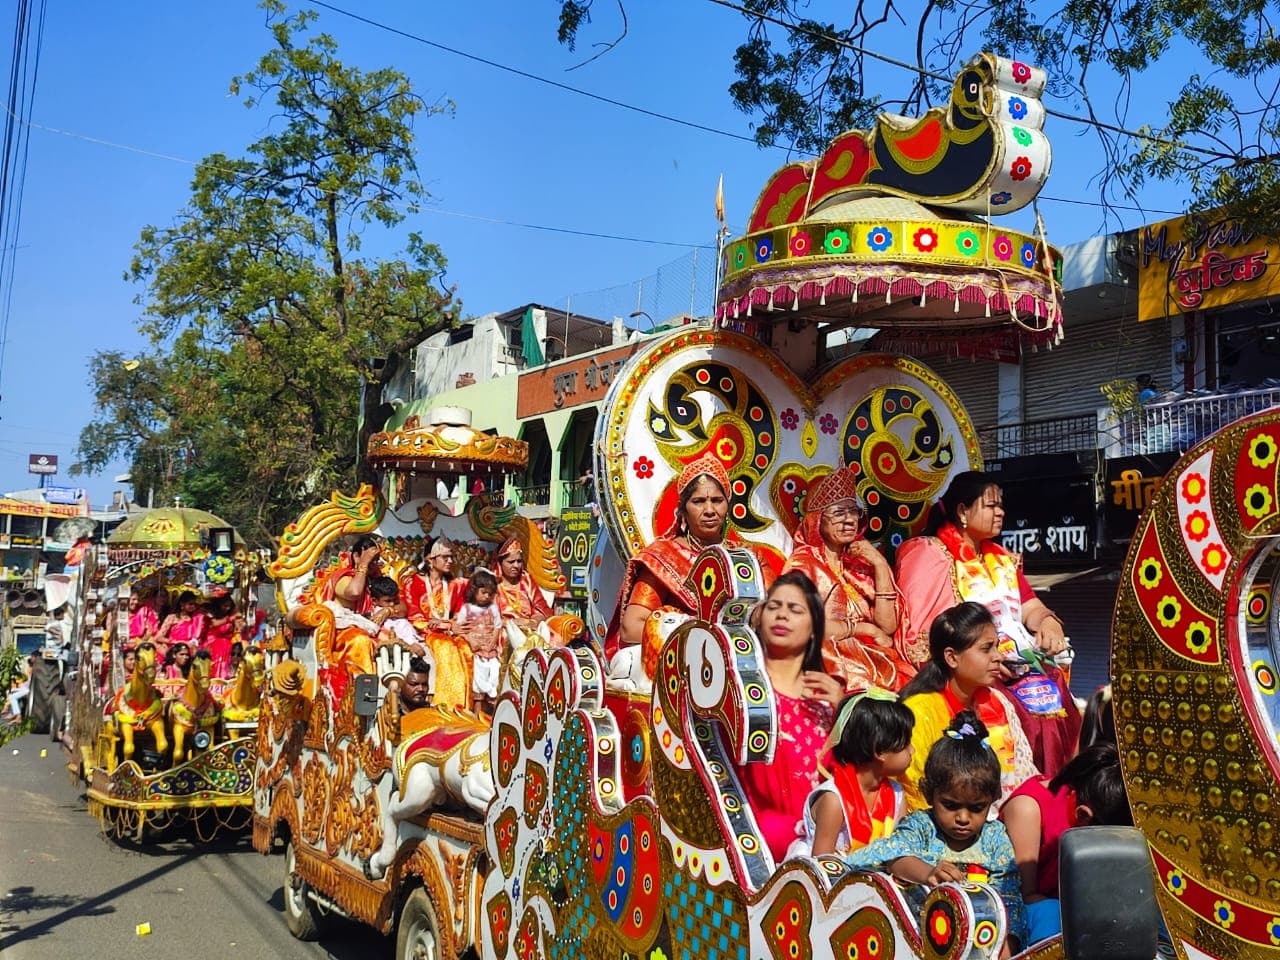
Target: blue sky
{"points": [[154, 77]]}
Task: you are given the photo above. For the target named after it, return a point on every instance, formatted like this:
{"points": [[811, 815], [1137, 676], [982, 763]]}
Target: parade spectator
{"points": [[960, 558], [962, 674], [862, 645]]}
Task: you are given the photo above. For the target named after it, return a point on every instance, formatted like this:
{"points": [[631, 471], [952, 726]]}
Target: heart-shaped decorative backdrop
{"points": [[891, 418]]}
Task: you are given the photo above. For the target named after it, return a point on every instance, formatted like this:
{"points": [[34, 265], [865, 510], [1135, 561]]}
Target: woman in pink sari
{"points": [[187, 626], [862, 644], [961, 559], [143, 621]]}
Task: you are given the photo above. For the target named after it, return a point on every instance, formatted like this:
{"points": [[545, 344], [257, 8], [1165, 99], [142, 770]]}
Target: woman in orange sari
{"points": [[432, 599], [346, 592], [655, 576], [862, 644], [519, 599]]}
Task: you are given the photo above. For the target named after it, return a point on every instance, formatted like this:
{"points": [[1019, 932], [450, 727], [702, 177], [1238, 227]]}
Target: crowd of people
{"points": [[925, 727], [178, 626]]}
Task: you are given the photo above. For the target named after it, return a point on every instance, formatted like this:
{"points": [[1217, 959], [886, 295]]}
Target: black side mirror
{"points": [[1107, 895], [368, 694]]}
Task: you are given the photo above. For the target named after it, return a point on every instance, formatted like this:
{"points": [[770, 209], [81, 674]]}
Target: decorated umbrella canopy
{"points": [[891, 229], [168, 528]]}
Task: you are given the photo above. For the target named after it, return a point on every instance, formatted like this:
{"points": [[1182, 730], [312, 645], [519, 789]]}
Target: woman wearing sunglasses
{"points": [[861, 643]]}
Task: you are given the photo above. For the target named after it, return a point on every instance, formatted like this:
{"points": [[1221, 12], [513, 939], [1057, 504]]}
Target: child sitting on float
{"points": [[1089, 790], [953, 840], [962, 673], [384, 595], [870, 744]]}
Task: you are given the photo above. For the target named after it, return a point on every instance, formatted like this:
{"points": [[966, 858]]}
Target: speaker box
{"points": [[1107, 895], [13, 598]]}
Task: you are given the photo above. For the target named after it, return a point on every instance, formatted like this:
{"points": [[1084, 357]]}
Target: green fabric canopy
{"points": [[529, 344]]}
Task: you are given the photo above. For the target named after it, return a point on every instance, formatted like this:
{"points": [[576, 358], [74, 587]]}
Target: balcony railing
{"points": [[1053, 435], [538, 495], [575, 494], [1173, 426]]}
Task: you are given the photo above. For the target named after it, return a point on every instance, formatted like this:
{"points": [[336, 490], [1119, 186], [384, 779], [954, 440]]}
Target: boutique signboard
{"points": [[1186, 265]]}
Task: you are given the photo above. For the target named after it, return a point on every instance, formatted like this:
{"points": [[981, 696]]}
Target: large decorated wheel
{"points": [[1194, 674], [696, 392]]}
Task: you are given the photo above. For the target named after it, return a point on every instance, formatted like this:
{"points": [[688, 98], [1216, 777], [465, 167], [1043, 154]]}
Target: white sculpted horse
{"points": [[443, 753]]}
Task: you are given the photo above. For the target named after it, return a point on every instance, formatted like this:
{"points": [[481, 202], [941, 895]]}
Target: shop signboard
{"points": [[45, 464], [1050, 507], [1130, 484], [574, 544], [1186, 265]]}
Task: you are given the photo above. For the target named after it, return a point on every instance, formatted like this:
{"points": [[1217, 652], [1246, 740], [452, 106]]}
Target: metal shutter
{"points": [[1066, 379], [1086, 606], [976, 383]]}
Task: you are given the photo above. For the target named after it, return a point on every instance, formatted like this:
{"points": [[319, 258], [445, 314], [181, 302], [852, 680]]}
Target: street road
{"points": [[69, 892]]}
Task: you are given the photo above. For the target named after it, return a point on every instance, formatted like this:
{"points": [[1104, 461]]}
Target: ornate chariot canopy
{"points": [[890, 228]]}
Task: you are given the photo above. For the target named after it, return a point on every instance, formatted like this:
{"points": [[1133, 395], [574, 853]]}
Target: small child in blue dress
{"points": [[953, 836]]}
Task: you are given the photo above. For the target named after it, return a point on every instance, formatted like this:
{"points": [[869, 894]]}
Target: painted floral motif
{"points": [[643, 468], [1257, 501], [836, 241], [967, 242], [1176, 883], [1198, 637], [879, 238], [764, 249], [740, 256], [1028, 255], [1150, 573], [1197, 525], [1002, 247], [658, 424], [1262, 450], [1214, 558], [1273, 930], [925, 240], [1001, 198], [828, 423], [1021, 72], [789, 418], [1223, 913], [1020, 169], [800, 244], [1168, 611], [1022, 135], [1017, 108], [1193, 488]]}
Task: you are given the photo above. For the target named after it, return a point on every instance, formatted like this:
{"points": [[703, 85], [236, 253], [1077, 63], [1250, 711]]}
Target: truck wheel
{"points": [[300, 913], [418, 935]]}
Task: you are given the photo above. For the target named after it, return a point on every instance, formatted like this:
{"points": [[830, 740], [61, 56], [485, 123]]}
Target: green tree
{"points": [[270, 331], [804, 78]]}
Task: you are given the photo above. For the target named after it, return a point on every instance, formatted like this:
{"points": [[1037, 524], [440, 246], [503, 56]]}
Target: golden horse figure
{"points": [[196, 709], [138, 706], [244, 697]]}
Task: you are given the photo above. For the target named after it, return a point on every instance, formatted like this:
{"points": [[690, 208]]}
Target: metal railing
{"points": [[1051, 435], [538, 495], [575, 494], [1173, 426]]}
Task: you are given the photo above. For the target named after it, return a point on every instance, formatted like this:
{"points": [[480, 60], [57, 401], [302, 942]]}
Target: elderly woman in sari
{"points": [[520, 600], [862, 641], [655, 575], [432, 599], [960, 559]]}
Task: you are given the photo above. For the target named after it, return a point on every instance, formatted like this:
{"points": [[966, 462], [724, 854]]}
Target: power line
{"points": [[533, 76], [919, 71]]}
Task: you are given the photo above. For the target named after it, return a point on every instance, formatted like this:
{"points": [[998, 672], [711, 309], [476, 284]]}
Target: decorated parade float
{"points": [[598, 812], [155, 751]]}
